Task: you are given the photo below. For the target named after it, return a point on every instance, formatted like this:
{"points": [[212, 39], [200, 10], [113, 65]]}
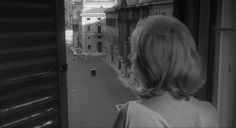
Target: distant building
{"points": [[88, 4], [92, 31], [77, 8], [93, 21]]}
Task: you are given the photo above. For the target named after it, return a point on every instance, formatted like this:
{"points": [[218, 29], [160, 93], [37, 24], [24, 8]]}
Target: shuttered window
{"points": [[29, 76]]}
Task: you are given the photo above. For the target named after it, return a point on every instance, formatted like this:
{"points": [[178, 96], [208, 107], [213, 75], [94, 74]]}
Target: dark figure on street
{"points": [[93, 71]]}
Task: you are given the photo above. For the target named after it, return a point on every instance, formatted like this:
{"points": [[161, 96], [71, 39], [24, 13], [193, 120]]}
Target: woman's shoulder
{"points": [[204, 106], [207, 114], [141, 116], [190, 113]]}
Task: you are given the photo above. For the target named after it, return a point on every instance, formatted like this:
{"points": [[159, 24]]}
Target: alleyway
{"points": [[92, 100]]}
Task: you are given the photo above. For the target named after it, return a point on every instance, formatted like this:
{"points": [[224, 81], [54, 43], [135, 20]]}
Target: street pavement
{"points": [[92, 100]]}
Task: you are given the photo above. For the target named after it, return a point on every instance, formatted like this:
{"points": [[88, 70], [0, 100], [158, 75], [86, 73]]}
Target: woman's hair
{"points": [[164, 57]]}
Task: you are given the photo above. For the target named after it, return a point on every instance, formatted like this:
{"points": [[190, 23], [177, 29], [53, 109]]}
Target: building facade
{"points": [[93, 19], [77, 6], [112, 44], [93, 35]]}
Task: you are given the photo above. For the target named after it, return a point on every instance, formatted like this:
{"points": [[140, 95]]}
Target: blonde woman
{"points": [[168, 72]]}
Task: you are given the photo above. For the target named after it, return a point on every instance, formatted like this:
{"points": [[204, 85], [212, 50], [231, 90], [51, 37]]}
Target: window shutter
{"points": [[30, 74]]}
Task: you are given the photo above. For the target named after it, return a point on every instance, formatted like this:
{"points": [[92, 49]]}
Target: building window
{"points": [[88, 37], [89, 47], [111, 22], [99, 46], [75, 27], [88, 18], [99, 37], [88, 27], [114, 22], [99, 28], [99, 18], [108, 21]]}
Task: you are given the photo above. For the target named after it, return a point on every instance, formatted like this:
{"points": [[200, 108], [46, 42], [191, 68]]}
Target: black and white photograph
{"points": [[117, 63]]}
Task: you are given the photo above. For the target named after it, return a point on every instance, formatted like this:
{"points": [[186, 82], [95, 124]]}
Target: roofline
{"points": [[138, 5], [93, 15]]}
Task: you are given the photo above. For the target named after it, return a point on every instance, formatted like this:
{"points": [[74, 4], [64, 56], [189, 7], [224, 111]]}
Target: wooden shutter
{"points": [[32, 56]]}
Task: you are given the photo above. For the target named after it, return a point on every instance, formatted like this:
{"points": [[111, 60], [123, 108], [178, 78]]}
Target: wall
{"points": [[227, 65]]}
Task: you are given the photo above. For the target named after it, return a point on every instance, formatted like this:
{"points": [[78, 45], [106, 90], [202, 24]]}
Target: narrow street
{"points": [[92, 100]]}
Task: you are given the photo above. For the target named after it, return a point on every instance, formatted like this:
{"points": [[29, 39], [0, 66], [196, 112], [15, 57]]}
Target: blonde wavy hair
{"points": [[164, 58]]}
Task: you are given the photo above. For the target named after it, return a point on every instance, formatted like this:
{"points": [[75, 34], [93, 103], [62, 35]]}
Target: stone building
{"points": [[93, 21], [112, 43], [77, 6], [92, 27]]}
